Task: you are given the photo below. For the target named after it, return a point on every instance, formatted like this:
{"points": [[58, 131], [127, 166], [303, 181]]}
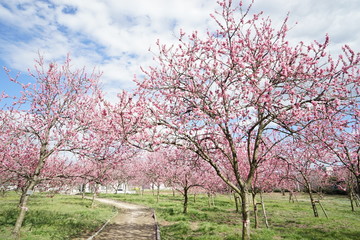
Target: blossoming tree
{"points": [[49, 116], [238, 84]]}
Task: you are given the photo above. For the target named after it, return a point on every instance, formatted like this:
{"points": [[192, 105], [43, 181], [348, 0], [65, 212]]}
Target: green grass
{"points": [[287, 220], [61, 217], [66, 217]]}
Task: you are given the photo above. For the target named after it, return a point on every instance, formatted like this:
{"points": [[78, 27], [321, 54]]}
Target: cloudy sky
{"points": [[115, 35]]}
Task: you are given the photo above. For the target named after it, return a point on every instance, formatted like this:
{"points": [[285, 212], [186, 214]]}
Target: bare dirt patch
{"points": [[132, 222]]}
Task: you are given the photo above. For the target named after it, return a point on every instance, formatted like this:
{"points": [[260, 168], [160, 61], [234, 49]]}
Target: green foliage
{"points": [[287, 220], [61, 217]]}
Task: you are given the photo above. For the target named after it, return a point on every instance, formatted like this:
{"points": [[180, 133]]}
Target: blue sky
{"points": [[114, 36]]}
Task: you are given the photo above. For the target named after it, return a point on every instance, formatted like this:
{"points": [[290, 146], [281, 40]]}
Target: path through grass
{"points": [[61, 217], [287, 220]]}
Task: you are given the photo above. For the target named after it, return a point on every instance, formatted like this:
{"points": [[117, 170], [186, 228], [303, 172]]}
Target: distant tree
{"points": [[339, 133], [153, 168], [305, 166], [184, 172]]}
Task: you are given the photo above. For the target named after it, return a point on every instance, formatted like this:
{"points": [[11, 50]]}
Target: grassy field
{"points": [[221, 222], [61, 217], [66, 217]]}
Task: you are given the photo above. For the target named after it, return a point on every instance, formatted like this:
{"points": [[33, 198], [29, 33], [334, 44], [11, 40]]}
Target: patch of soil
{"points": [[132, 222]]}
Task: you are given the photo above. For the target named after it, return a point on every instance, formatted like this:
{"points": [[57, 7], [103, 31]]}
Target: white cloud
{"points": [[115, 35]]}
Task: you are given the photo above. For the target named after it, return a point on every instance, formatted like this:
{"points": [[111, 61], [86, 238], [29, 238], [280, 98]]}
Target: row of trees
{"points": [[240, 107]]}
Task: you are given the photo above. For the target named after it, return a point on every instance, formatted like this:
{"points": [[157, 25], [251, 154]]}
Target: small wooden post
{"points": [[264, 211], [318, 201]]}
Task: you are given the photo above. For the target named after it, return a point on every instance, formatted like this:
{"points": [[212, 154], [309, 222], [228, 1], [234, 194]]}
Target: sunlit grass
{"points": [[287, 220], [66, 217], [61, 217]]}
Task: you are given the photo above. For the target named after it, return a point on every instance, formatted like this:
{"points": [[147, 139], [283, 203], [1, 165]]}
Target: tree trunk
{"points": [[320, 193], [29, 190], [312, 200], [186, 198], [23, 194], [23, 208], [313, 204], [83, 187], [357, 184], [94, 195], [351, 193], [291, 197], [245, 215], [158, 193], [283, 192], [236, 198], [194, 197], [209, 201], [357, 200], [93, 200], [21, 217], [351, 197]]}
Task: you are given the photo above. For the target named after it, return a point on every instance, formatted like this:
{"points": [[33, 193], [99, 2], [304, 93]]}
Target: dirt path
{"points": [[132, 222]]}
